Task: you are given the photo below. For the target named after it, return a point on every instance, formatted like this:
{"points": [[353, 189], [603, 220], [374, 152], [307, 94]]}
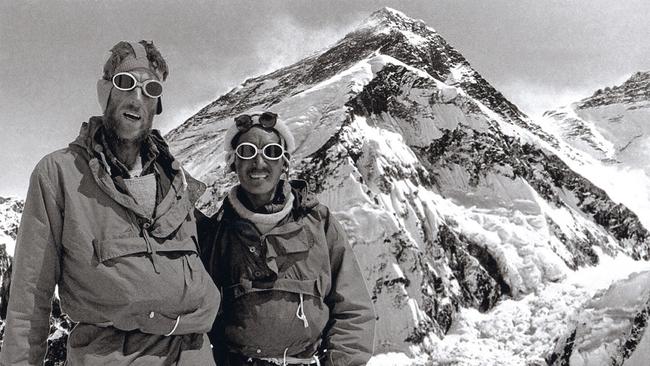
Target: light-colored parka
{"points": [[124, 277]]}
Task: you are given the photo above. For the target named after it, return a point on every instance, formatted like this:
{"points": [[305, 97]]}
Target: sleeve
{"points": [[349, 336], [36, 271]]}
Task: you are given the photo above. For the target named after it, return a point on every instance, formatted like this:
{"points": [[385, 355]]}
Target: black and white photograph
{"points": [[329, 183]]}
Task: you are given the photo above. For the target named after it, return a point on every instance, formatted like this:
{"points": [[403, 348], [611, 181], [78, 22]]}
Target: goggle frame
{"points": [[261, 150], [143, 85]]}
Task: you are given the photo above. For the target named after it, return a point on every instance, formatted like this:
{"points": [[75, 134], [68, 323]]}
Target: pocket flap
{"points": [[306, 287], [118, 247], [295, 242], [122, 247], [187, 245]]}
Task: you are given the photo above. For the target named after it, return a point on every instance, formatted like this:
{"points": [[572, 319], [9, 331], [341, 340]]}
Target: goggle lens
{"points": [[272, 151], [247, 151], [244, 122], [153, 88], [125, 81]]}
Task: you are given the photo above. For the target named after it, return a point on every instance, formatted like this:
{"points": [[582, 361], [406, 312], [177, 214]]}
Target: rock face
{"points": [[610, 328], [606, 136], [10, 211], [451, 197]]}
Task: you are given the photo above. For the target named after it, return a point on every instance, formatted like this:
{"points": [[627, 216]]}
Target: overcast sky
{"points": [[540, 54]]}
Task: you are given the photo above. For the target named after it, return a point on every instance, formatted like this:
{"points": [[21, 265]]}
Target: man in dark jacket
{"points": [[110, 220], [293, 293]]}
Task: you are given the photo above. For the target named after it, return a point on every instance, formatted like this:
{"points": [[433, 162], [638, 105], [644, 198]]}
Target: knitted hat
{"points": [[280, 127], [131, 62]]}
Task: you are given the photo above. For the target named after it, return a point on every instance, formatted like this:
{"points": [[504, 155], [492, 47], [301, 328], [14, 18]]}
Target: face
{"points": [[258, 176], [129, 114]]}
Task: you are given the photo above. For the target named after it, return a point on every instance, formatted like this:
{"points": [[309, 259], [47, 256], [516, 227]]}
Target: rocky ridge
{"points": [[451, 197]]}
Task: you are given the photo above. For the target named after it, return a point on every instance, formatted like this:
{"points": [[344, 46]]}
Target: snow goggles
{"points": [[245, 121], [247, 151], [125, 81]]}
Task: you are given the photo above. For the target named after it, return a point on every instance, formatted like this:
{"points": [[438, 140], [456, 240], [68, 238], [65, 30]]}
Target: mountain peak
{"points": [[635, 89], [393, 19]]}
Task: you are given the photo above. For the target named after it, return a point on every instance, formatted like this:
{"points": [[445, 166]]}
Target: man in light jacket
{"points": [[110, 220], [293, 292]]}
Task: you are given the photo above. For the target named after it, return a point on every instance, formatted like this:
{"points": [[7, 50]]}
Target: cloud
{"points": [[536, 98], [289, 41]]}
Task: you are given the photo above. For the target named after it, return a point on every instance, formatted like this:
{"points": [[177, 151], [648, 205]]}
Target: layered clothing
{"points": [[291, 285], [131, 277]]}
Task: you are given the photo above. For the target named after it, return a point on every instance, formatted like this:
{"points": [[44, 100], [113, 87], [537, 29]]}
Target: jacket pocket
{"points": [[296, 242], [305, 287], [118, 247], [122, 247]]}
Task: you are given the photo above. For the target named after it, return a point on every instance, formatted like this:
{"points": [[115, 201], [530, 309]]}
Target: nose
{"points": [[259, 159], [138, 93]]}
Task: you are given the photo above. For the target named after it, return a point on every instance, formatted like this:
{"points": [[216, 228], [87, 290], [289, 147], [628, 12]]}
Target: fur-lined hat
{"points": [[233, 132]]}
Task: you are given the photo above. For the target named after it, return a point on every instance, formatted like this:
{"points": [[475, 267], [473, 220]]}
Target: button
{"points": [[146, 225], [259, 350], [151, 315], [251, 249], [257, 273], [176, 165]]}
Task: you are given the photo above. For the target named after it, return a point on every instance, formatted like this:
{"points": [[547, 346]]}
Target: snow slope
{"points": [[457, 205]]}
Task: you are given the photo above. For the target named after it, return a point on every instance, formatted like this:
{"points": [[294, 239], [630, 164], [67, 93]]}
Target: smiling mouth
{"points": [[131, 116], [258, 175]]}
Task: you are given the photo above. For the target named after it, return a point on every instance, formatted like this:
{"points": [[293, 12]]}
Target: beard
{"points": [[113, 124], [110, 133]]}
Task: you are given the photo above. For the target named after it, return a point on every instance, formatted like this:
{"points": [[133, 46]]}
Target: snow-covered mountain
{"points": [[611, 125], [469, 225], [10, 210], [606, 138], [612, 329]]}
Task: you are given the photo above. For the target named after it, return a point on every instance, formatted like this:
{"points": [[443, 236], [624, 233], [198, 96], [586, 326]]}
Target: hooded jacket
{"points": [[295, 290], [128, 279]]}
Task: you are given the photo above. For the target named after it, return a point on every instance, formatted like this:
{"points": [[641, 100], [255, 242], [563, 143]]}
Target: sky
{"points": [[539, 54]]}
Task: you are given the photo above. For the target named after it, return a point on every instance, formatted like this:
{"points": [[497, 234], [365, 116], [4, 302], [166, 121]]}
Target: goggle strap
{"points": [[140, 51]]}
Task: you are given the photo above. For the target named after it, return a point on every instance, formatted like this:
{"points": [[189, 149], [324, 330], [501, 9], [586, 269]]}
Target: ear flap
{"points": [[159, 106], [104, 88]]}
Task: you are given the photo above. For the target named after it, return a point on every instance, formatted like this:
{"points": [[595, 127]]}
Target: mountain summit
{"points": [[452, 199]]}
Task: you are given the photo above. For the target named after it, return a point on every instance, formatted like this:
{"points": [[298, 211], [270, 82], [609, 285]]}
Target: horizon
{"points": [[53, 52]]}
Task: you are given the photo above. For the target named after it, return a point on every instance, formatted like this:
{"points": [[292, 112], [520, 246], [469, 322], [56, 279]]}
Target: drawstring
{"points": [[300, 313], [284, 357], [150, 249], [108, 167], [178, 320], [184, 179], [317, 360]]}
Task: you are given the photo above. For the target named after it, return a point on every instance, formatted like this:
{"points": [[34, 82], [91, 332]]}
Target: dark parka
{"points": [[124, 277], [262, 278]]}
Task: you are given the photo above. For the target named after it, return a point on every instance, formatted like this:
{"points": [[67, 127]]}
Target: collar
{"points": [[149, 152], [278, 212]]}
